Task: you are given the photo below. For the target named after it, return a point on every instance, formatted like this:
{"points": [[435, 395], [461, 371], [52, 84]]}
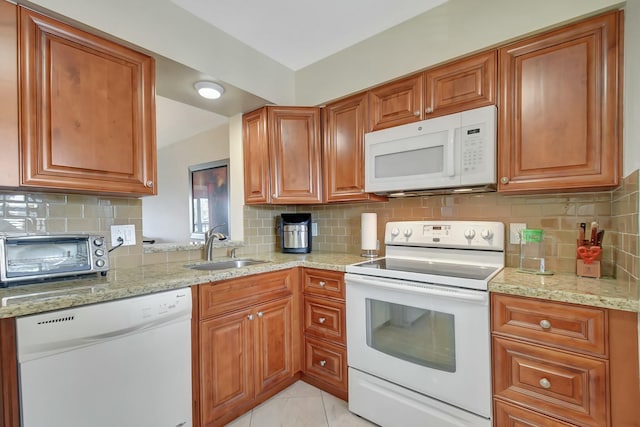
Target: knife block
{"points": [[588, 270], [591, 269]]}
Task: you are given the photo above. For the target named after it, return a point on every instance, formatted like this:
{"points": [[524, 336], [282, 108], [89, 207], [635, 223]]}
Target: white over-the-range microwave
{"points": [[447, 154]]}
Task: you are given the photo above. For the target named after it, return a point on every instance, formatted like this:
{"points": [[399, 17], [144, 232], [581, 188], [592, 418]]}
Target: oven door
{"points": [[428, 338]]}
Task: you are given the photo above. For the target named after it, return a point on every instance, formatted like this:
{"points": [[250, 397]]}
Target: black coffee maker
{"points": [[295, 233]]}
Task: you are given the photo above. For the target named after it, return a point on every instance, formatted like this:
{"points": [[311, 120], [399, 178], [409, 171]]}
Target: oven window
{"points": [[416, 335], [25, 258]]}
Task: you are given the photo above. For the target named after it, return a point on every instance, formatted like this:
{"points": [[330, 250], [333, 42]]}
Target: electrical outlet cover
{"points": [[514, 232], [126, 232]]}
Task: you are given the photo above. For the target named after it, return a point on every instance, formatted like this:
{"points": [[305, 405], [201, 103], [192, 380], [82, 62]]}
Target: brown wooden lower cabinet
{"points": [[246, 354], [560, 364], [9, 404]]}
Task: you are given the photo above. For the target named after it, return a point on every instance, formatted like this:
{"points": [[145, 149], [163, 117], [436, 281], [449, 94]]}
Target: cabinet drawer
{"points": [[324, 283], [513, 416], [325, 361], [233, 294], [571, 327], [325, 319], [564, 385]]}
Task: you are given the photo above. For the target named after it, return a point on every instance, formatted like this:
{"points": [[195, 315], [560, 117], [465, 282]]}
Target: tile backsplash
{"points": [[339, 225]]}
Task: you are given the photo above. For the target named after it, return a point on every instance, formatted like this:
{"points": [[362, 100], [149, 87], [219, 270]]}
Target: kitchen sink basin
{"points": [[223, 265]]}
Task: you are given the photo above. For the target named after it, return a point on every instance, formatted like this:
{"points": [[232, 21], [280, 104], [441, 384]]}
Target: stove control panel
{"points": [[486, 235]]}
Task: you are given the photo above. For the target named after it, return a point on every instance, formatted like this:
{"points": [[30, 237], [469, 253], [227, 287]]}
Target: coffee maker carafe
{"points": [[295, 234]]}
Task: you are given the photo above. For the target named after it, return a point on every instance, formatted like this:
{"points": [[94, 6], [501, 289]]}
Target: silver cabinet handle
{"points": [[322, 320], [323, 362], [250, 317], [416, 113], [322, 283], [545, 324], [428, 110], [545, 383], [504, 180], [148, 184], [260, 314]]}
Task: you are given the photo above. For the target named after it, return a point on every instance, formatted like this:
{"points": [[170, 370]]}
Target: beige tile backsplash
{"points": [[339, 225]]}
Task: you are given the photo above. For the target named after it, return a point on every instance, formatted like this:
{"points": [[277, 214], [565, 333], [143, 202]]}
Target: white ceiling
{"points": [[295, 33]]}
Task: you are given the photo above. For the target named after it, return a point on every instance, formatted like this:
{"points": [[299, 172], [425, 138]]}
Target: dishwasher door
{"points": [[121, 363]]}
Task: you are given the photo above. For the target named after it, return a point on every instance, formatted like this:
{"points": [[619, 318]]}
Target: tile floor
{"points": [[301, 405]]}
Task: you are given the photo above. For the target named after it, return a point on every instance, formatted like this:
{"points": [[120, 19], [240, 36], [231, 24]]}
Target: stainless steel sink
{"points": [[223, 265]]}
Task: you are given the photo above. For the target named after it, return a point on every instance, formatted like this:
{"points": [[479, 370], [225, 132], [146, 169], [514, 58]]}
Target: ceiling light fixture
{"points": [[209, 90]]}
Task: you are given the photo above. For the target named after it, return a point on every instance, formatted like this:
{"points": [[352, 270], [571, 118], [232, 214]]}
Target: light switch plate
{"points": [[314, 229], [126, 232], [514, 232]]}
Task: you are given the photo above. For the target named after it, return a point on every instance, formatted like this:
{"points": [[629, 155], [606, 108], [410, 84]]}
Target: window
{"points": [[209, 193]]}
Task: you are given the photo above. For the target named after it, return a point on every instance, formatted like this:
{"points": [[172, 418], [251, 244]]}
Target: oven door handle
{"points": [[425, 289]]}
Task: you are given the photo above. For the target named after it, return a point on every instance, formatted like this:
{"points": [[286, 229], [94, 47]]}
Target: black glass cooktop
{"points": [[463, 271]]}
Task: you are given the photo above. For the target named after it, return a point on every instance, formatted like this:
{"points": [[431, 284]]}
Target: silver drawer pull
{"points": [[545, 324], [323, 362], [322, 320], [260, 314], [545, 383], [250, 317], [322, 283]]}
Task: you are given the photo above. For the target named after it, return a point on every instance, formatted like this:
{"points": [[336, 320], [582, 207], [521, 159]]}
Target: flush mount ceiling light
{"points": [[209, 90]]}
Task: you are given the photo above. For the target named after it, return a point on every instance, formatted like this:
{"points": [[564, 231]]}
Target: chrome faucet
{"points": [[209, 237]]}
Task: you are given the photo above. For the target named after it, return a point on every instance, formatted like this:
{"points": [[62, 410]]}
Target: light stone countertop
{"points": [[124, 283], [565, 287]]}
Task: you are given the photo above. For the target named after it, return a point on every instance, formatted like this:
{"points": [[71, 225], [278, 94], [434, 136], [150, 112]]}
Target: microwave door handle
{"points": [[450, 156]]}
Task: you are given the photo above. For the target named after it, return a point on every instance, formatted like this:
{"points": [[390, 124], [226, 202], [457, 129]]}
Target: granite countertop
{"points": [[565, 287], [124, 283]]}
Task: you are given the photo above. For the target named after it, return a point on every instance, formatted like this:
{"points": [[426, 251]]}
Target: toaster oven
{"points": [[28, 258]]}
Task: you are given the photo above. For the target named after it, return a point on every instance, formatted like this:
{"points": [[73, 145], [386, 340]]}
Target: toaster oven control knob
{"points": [[469, 233], [486, 234], [98, 242], [100, 263], [408, 232], [99, 252]]}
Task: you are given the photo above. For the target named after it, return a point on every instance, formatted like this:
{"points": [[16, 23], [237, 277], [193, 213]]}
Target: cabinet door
{"points": [[294, 134], [226, 364], [559, 116], [273, 343], [256, 157], [9, 165], [88, 114], [461, 85], [343, 147], [396, 103]]}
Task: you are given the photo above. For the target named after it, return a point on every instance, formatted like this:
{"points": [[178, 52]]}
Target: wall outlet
{"points": [[314, 229], [126, 232], [514, 232]]}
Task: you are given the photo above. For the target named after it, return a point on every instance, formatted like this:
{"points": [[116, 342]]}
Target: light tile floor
{"points": [[301, 405]]}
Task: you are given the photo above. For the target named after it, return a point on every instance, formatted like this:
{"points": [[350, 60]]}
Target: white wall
{"points": [[631, 87], [165, 217]]}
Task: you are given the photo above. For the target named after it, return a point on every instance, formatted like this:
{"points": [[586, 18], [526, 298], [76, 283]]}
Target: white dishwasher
{"points": [[124, 363]]}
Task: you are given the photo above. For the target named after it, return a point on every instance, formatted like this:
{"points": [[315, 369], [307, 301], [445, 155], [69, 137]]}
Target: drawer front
{"points": [[506, 415], [571, 327], [234, 294], [324, 283], [325, 318], [325, 361], [568, 386]]}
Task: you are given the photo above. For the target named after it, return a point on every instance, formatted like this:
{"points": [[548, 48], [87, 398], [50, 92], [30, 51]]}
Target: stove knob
{"points": [[394, 232], [486, 234], [408, 232], [469, 233]]}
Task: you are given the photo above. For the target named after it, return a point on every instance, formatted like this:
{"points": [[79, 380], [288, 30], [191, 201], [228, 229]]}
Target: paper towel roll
{"points": [[369, 223]]}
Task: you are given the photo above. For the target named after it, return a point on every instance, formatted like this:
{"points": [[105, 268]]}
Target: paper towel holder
{"points": [[370, 243]]}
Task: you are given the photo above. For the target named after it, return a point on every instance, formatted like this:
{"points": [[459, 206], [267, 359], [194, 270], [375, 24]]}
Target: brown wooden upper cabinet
{"points": [[9, 165], [87, 111], [559, 123], [282, 155], [345, 122], [456, 86]]}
